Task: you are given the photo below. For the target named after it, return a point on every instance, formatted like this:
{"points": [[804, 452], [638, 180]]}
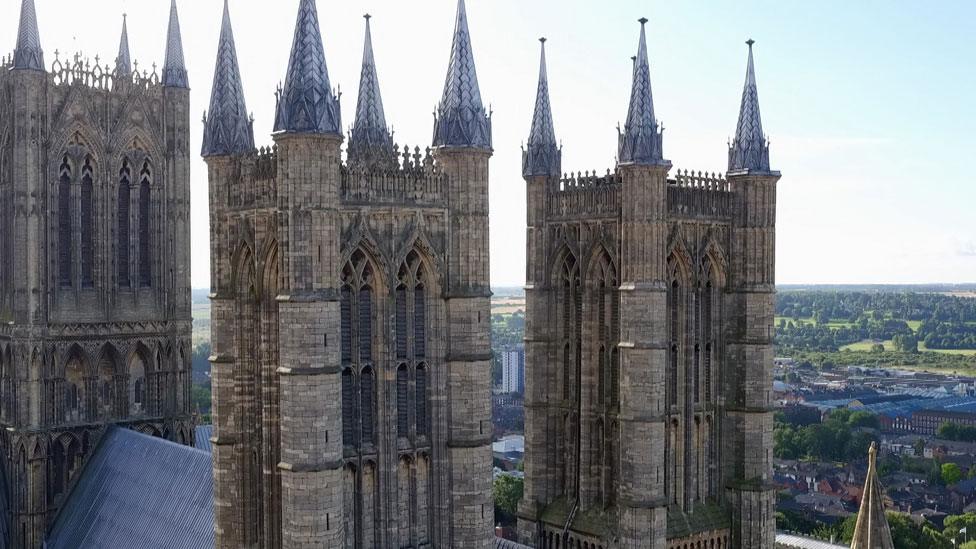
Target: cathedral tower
{"points": [[94, 289], [649, 298], [346, 413]]}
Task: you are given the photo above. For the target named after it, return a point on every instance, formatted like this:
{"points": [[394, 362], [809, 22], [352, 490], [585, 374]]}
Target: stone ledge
{"points": [[308, 371], [469, 357], [320, 467], [483, 440]]}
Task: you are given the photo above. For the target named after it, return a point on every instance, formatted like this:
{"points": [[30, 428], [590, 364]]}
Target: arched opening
{"points": [[87, 225], [123, 221], [423, 421], [65, 256], [75, 394], [107, 383], [403, 406], [356, 311], [137, 393], [145, 236]]}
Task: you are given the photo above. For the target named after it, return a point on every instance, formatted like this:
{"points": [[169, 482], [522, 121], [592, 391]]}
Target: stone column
{"points": [[309, 340], [747, 377], [643, 354], [540, 379], [468, 294]]}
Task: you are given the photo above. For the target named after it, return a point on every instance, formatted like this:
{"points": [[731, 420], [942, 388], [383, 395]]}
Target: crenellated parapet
{"points": [[585, 194], [699, 195], [81, 71], [414, 178]]}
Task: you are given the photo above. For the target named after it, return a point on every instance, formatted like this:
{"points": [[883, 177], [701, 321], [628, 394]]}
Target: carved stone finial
{"points": [[750, 42]]}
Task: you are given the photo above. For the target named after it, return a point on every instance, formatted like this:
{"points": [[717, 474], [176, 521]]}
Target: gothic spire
{"points": [[227, 128], [461, 120], [307, 104], [370, 140], [542, 155], [871, 530], [174, 68], [749, 150], [640, 142], [123, 63], [28, 54]]}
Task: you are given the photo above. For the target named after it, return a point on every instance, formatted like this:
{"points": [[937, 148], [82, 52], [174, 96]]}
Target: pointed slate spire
{"points": [[871, 530], [123, 63], [307, 104], [542, 156], [227, 128], [749, 150], [641, 140], [370, 142], [28, 54], [174, 67], [461, 120]]}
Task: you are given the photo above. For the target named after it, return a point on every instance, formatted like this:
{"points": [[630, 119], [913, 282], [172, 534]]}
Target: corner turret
{"points": [[227, 128], [542, 156], [28, 54], [461, 119]]}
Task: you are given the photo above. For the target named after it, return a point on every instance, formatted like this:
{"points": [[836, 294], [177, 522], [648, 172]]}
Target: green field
{"points": [[866, 345]]}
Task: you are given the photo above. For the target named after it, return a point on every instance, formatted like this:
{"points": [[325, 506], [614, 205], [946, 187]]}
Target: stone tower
{"points": [[350, 318], [95, 279], [648, 340]]}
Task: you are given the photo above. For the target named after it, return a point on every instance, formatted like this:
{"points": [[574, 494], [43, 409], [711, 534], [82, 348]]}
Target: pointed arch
{"points": [[138, 366], [88, 170], [123, 223], [65, 230], [145, 223], [76, 368], [108, 382]]}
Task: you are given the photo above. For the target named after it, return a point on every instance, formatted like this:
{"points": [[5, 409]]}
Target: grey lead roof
{"points": [[640, 142], [542, 155], [227, 128], [174, 67], [749, 150], [307, 104], [461, 120], [123, 63], [370, 140], [138, 491], [4, 513], [502, 543], [201, 438], [28, 54]]}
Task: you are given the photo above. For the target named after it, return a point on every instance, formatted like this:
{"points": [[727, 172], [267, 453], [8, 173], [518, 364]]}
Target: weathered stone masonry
{"points": [[350, 320], [649, 341], [95, 274]]}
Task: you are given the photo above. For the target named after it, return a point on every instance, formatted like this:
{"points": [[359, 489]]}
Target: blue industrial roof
{"points": [[202, 438], [905, 408], [139, 491]]}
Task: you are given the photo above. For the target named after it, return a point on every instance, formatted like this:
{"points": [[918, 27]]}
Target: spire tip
{"points": [[642, 21], [543, 39], [367, 17], [750, 42]]}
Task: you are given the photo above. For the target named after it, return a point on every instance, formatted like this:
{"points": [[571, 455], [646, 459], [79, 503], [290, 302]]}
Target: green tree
{"points": [[919, 447], [951, 474], [954, 523], [861, 418], [507, 492]]}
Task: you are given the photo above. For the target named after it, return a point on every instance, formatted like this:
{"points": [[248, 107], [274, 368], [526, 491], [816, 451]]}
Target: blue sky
{"points": [[869, 105]]}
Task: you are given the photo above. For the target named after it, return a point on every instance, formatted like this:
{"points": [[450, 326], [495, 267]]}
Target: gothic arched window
{"points": [[87, 225], [572, 303], [145, 236], [122, 241], [65, 256], [356, 341]]}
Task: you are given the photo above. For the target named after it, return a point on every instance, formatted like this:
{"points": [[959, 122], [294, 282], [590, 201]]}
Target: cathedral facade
{"points": [[649, 328], [94, 284], [350, 313]]}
